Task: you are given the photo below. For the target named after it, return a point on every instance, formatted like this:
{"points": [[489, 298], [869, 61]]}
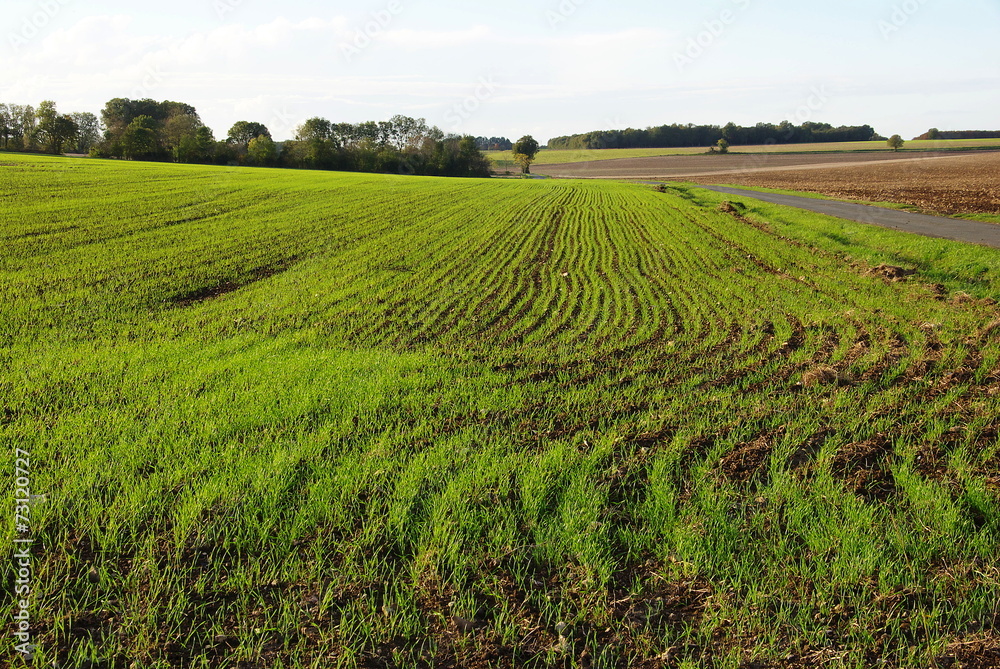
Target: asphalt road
{"points": [[972, 232]]}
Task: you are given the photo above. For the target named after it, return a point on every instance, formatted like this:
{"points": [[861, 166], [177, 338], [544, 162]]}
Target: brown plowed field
{"points": [[964, 184], [697, 167]]}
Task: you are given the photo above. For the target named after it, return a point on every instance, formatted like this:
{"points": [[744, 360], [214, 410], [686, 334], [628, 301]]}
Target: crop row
{"points": [[314, 419]]}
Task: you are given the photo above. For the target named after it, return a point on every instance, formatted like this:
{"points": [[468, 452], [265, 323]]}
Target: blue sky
{"points": [[540, 67]]}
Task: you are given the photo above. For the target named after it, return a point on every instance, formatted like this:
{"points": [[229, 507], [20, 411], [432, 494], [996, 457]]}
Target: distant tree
{"points": [[54, 131], [118, 113], [367, 131], [62, 133], [262, 150], [23, 125], [473, 162], [205, 142], [177, 129], [895, 142], [224, 153], [314, 129], [723, 146], [198, 147], [88, 131], [404, 131], [933, 133], [45, 118], [494, 143], [6, 125], [525, 150], [140, 139], [730, 132], [243, 131], [46, 112]]}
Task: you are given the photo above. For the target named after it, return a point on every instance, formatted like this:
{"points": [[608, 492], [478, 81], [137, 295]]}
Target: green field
{"points": [[305, 419], [504, 159]]}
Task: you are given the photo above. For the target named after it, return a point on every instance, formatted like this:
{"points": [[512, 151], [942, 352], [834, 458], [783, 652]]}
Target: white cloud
{"points": [[428, 39]]}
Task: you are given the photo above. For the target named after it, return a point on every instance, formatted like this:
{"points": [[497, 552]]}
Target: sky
{"points": [[540, 67]]}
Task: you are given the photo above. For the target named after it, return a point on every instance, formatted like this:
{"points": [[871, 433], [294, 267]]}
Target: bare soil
{"points": [[700, 166], [962, 184]]}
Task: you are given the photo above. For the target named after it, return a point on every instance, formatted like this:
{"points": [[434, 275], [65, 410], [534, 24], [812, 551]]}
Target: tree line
{"points": [[173, 131], [934, 133], [401, 145], [27, 128], [675, 136], [494, 144]]}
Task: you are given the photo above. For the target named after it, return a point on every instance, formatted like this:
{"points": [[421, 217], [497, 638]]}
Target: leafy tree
{"points": [[262, 150], [723, 146], [22, 128], [177, 129], [205, 142], [198, 147], [118, 113], [243, 131], [314, 129], [53, 131], [46, 111], [173, 122], [62, 133], [367, 131], [405, 131], [140, 139], [225, 153], [895, 142], [933, 133], [473, 162], [45, 118], [525, 150], [88, 131], [6, 125], [168, 109], [731, 132], [494, 143]]}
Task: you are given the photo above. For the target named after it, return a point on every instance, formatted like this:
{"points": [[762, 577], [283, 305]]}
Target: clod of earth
{"points": [[891, 272]]}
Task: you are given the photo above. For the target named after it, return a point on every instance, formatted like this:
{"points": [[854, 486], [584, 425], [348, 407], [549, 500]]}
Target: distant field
{"points": [[546, 157], [307, 420], [700, 167], [967, 185]]}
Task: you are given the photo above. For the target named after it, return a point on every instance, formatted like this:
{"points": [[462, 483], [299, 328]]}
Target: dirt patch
{"points": [[824, 375], [863, 467], [732, 207], [891, 272], [978, 653], [745, 460]]}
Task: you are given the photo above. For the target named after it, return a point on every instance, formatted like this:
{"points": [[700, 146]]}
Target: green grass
{"points": [[308, 419], [552, 157]]}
